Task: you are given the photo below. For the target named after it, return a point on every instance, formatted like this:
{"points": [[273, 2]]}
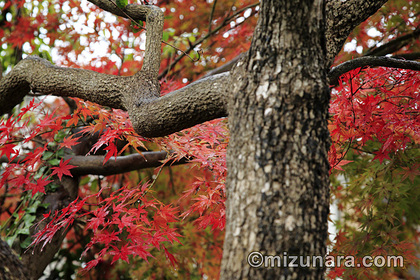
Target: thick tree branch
{"points": [[196, 103], [342, 18], [40, 76], [139, 94], [225, 67], [339, 70], [94, 164], [11, 268], [408, 56], [134, 11]]}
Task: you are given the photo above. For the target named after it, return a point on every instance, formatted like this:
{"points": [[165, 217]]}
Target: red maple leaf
{"points": [[8, 150], [40, 185], [381, 155], [69, 142], [341, 163], [170, 257], [121, 254], [63, 169]]}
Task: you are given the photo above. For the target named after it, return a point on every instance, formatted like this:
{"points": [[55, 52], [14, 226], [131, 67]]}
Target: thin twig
{"points": [[211, 15], [199, 41], [144, 28]]}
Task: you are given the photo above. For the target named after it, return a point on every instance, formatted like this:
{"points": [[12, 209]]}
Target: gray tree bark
{"points": [[277, 187], [11, 267]]}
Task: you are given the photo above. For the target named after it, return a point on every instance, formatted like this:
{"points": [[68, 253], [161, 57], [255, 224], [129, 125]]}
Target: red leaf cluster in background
{"points": [[376, 104]]}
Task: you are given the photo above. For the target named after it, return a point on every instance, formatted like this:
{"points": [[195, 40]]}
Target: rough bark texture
{"points": [[11, 268], [342, 17], [277, 185], [196, 103]]}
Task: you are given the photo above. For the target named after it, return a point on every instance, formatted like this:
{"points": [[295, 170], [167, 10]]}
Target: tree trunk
{"points": [[11, 267], [278, 185]]}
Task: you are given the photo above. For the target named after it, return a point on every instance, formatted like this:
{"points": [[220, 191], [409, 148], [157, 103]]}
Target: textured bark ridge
{"points": [[277, 186], [342, 17], [11, 267]]}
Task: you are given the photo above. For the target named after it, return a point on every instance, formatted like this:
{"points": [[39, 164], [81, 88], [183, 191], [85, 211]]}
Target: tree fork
{"points": [[151, 115]]}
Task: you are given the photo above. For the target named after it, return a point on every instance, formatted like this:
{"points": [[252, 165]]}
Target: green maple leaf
{"points": [[121, 3]]}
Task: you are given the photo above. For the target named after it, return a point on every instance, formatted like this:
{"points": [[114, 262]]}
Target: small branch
{"points": [[225, 67], [371, 61], [407, 56], [131, 11], [212, 14], [93, 165], [185, 53], [202, 39], [394, 45]]}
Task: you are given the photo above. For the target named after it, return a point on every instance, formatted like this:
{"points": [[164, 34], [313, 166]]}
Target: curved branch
{"points": [[211, 32], [11, 266], [134, 11], [339, 70], [151, 115], [39, 75], [408, 56], [225, 67], [93, 165], [342, 18], [196, 103]]}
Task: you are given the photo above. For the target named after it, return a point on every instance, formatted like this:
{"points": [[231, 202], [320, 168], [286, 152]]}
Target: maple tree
{"points": [[80, 184]]}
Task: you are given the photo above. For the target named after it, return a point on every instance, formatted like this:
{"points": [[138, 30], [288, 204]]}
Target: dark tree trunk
{"points": [[278, 185], [11, 267]]}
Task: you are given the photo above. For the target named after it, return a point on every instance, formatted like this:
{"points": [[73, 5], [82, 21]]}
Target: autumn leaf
{"points": [[410, 171], [69, 142], [341, 163], [63, 169], [40, 185], [170, 257]]}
